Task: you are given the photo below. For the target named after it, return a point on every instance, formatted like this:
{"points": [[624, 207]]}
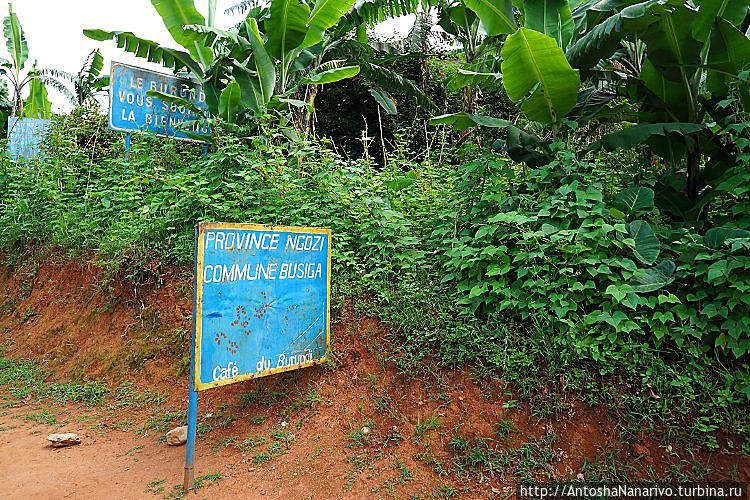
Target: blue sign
{"points": [[25, 136], [132, 110], [262, 301]]}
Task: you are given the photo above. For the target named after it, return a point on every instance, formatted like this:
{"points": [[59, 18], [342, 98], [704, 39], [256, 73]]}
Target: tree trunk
{"points": [[308, 121], [469, 100]]}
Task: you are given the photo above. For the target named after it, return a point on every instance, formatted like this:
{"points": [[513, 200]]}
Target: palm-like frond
{"points": [[92, 66], [371, 12], [418, 39], [59, 75], [60, 87], [392, 82], [175, 60], [244, 6]]}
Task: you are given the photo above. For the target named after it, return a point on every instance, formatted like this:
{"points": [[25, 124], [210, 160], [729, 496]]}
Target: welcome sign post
{"points": [[131, 109], [261, 306]]}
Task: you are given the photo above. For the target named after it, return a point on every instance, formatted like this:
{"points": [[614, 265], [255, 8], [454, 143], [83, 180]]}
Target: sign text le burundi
{"points": [[131, 109]]}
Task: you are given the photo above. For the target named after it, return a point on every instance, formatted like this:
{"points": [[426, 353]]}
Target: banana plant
{"points": [[683, 60], [86, 84], [262, 64], [694, 54], [533, 69], [13, 70]]}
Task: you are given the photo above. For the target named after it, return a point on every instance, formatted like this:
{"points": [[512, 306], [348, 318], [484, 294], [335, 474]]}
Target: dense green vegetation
{"points": [[592, 237]]}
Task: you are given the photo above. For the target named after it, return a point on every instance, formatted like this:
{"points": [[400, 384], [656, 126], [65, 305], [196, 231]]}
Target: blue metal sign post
{"points": [[131, 109], [262, 306], [25, 136]]}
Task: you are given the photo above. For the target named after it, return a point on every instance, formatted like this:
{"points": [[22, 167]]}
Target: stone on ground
{"points": [[177, 436], [66, 439]]}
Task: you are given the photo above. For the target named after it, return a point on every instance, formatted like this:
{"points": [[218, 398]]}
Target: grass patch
{"points": [[44, 417]]}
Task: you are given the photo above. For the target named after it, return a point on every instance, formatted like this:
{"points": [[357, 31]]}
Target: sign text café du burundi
{"points": [[262, 301], [132, 110]]}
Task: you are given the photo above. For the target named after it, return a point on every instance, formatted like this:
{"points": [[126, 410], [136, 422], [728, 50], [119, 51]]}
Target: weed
{"points": [[127, 395], [251, 442], [504, 428], [444, 491], [358, 437], [163, 422], [201, 480], [428, 457], [310, 400], [257, 420], [156, 487], [459, 444], [392, 437], [423, 427], [261, 396], [404, 474], [131, 450], [383, 403], [284, 437], [44, 417]]}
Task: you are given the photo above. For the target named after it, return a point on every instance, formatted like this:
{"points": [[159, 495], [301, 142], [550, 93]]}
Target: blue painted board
{"points": [[25, 136], [262, 301], [131, 110]]}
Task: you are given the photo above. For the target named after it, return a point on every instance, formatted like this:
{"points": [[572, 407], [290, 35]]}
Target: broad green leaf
{"points": [[593, 103], [538, 77], [176, 14], [324, 15], [392, 82], [650, 280], [670, 98], [551, 17], [672, 49], [286, 27], [149, 50], [464, 78], [523, 147], [250, 86], [37, 105], [465, 121], [635, 199], [402, 182], [646, 247], [384, 100], [291, 102], [332, 75], [588, 14], [715, 237], [604, 39], [496, 15], [230, 102], [170, 98], [733, 11], [262, 62], [729, 54], [94, 67], [615, 292], [638, 134], [15, 40]]}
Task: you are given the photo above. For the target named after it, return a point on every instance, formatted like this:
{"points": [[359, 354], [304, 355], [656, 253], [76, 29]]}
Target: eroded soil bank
{"points": [[359, 427]]}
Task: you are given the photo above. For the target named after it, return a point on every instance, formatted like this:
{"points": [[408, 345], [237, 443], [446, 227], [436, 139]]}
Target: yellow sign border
{"points": [[198, 306]]}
